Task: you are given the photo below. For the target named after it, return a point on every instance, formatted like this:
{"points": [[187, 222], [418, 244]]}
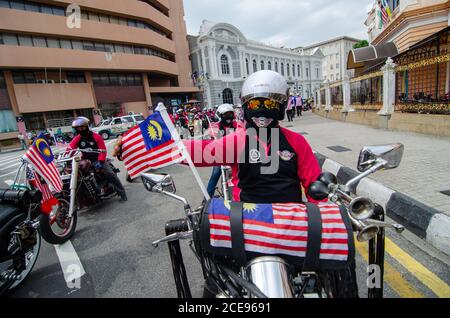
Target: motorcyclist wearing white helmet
{"points": [[264, 99], [226, 125]]}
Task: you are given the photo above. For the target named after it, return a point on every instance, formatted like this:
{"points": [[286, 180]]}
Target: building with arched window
{"points": [[227, 96], [222, 57], [225, 65]]}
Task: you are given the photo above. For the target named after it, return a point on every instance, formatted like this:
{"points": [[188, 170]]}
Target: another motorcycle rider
{"points": [[225, 126], [89, 140], [264, 99]]}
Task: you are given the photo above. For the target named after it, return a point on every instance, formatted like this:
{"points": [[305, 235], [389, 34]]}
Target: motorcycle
{"points": [[241, 274], [56, 225], [20, 239], [82, 188]]}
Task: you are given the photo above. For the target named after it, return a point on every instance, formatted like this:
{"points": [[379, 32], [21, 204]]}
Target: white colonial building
{"points": [[334, 66], [222, 58]]}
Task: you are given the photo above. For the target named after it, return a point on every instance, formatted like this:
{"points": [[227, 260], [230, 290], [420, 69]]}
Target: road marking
{"points": [[4, 175], [9, 161], [429, 279], [70, 263], [8, 157], [393, 277], [4, 161], [5, 168], [9, 182]]}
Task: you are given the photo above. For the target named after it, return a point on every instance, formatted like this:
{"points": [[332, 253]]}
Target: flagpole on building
{"points": [[176, 137]]}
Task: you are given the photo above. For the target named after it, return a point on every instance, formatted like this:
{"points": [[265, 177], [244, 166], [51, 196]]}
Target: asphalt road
{"points": [[113, 245]]}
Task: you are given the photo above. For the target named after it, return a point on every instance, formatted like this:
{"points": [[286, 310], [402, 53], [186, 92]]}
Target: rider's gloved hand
{"points": [[117, 152], [98, 165]]}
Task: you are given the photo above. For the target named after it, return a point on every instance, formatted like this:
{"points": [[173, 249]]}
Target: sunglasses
{"points": [[257, 104]]}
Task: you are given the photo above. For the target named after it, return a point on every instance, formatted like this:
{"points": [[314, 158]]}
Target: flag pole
{"points": [[176, 137]]}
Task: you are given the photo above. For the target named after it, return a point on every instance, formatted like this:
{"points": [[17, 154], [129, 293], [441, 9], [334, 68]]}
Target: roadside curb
{"points": [[422, 220]]}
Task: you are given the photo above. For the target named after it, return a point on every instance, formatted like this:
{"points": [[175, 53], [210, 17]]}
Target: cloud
{"points": [[289, 23]]}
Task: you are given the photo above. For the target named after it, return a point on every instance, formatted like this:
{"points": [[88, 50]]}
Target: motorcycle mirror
{"points": [[159, 183], [328, 178], [318, 191], [392, 154]]}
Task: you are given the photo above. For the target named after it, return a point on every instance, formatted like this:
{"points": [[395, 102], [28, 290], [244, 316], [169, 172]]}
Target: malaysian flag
{"points": [[280, 229], [41, 159], [149, 146], [35, 180]]}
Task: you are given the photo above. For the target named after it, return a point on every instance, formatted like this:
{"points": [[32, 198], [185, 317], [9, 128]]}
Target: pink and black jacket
{"points": [[297, 168]]}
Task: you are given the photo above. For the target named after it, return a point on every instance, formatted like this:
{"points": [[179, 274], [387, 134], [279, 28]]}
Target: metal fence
{"points": [[337, 96], [423, 89], [422, 76], [322, 96], [366, 93]]}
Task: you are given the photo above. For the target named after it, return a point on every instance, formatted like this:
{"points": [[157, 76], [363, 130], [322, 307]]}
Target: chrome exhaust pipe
{"points": [[271, 275]]}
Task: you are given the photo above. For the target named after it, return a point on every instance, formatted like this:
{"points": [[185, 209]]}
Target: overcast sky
{"points": [[289, 23]]}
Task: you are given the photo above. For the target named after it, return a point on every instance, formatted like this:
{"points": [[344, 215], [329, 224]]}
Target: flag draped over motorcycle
{"points": [[149, 146]]}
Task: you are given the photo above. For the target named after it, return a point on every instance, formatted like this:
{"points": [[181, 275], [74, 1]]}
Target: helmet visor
{"points": [[260, 103]]}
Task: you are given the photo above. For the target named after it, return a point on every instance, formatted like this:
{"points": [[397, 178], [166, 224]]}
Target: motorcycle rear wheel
{"points": [[58, 219]]}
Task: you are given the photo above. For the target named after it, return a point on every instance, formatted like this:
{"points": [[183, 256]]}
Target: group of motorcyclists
{"points": [[265, 97], [246, 139]]}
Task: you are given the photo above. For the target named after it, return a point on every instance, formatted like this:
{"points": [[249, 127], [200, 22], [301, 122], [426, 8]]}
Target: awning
{"points": [[367, 57]]}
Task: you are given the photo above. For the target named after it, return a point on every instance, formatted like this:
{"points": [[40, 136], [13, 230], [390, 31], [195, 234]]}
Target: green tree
{"points": [[361, 44]]}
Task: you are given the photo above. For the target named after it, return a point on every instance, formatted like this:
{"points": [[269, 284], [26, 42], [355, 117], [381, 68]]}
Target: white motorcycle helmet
{"points": [[224, 108], [225, 113], [265, 85]]}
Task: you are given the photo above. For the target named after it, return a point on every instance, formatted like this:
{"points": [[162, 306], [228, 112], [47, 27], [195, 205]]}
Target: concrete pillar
{"points": [[388, 88], [21, 127], [202, 50], [148, 95], [242, 64], [319, 99], [346, 94], [328, 105], [388, 94], [213, 62], [96, 111]]}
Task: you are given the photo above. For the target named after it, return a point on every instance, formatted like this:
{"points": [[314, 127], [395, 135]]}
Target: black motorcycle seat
{"points": [[8, 212]]}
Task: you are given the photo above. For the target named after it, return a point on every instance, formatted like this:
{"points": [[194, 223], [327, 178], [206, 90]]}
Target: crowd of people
{"points": [[296, 106], [183, 116], [51, 136]]}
